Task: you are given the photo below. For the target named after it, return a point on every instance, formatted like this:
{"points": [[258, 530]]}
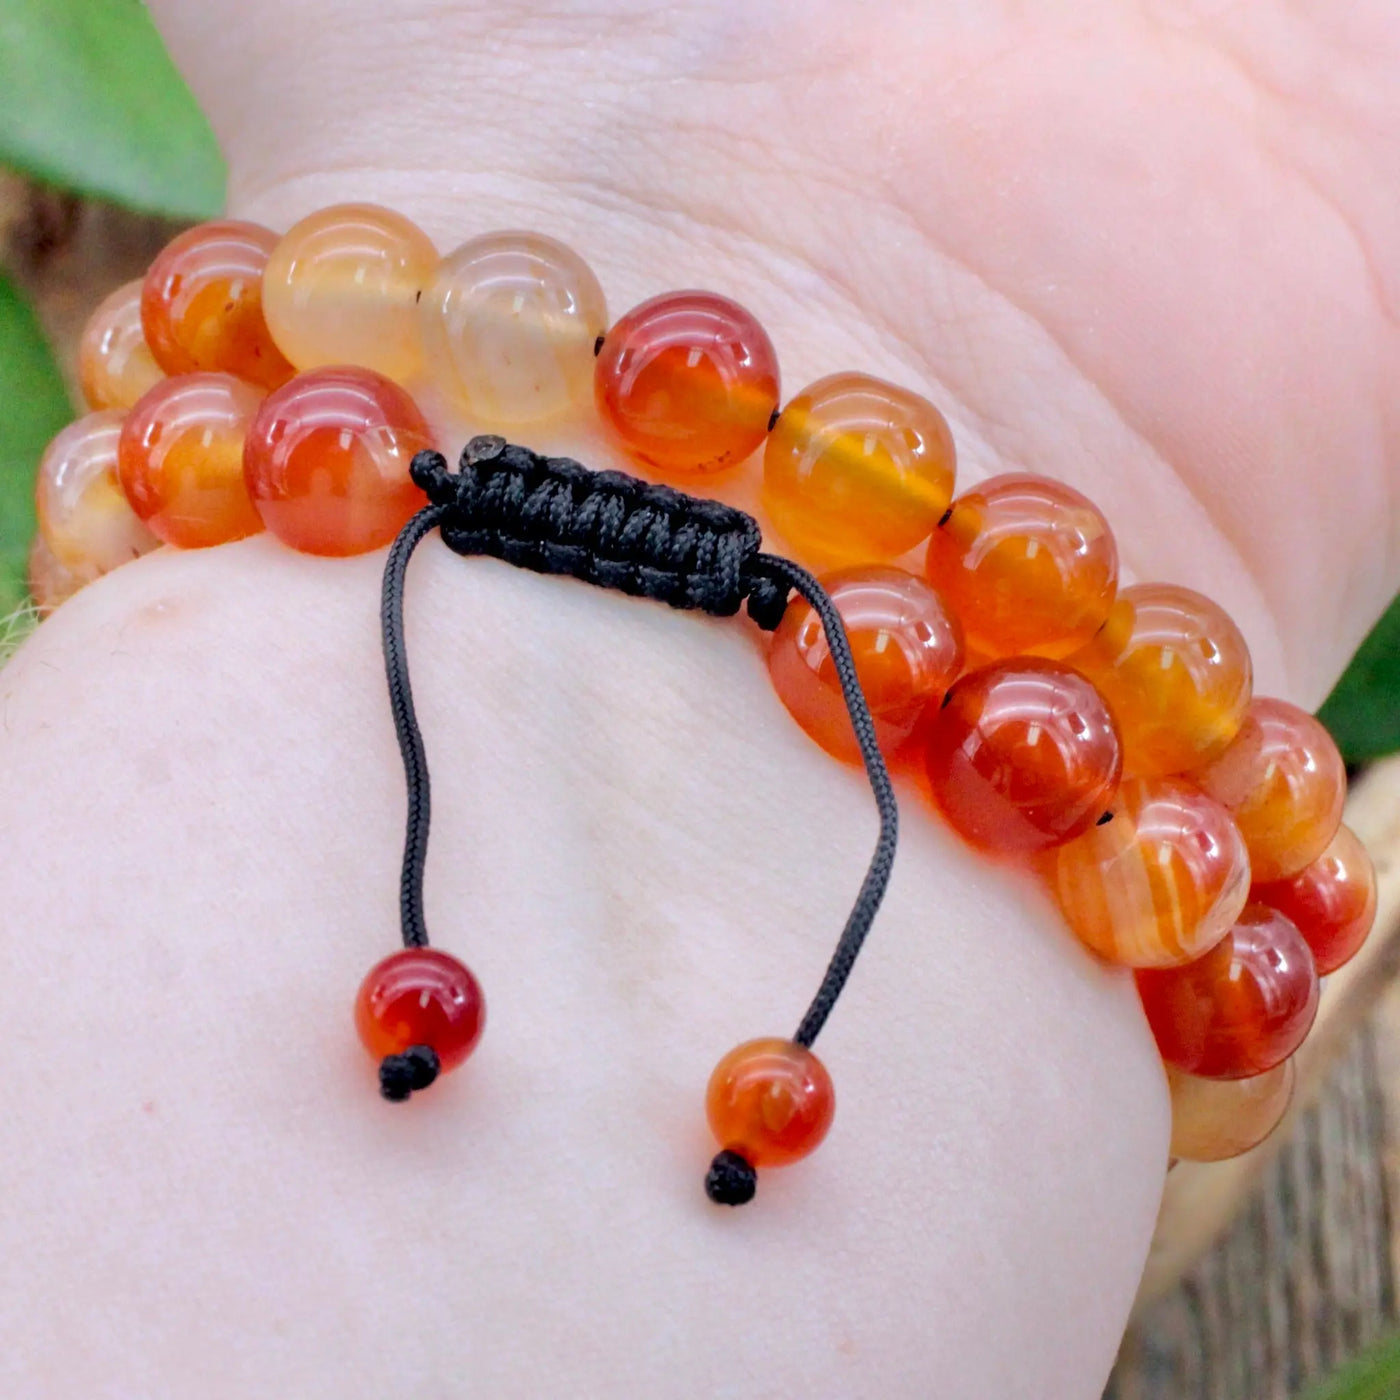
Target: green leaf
{"points": [[90, 101], [1375, 1375], [1363, 712], [33, 407]]}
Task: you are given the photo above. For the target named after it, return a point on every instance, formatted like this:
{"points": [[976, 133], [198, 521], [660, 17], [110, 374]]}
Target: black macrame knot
{"points": [[401, 1075], [732, 1180], [555, 516]]}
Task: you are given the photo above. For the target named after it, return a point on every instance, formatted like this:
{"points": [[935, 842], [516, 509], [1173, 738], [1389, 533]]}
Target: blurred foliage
{"points": [[33, 407], [1363, 712], [1375, 1375], [90, 101]]}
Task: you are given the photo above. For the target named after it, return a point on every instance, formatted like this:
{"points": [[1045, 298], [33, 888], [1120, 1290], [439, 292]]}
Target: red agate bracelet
{"points": [[1105, 738]]}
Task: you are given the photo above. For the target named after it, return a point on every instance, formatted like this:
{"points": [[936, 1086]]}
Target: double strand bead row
{"points": [[1106, 738]]}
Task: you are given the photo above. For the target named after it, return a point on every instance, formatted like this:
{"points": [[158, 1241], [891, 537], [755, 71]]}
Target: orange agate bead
{"points": [[1243, 1008], [1176, 673], [1023, 755], [202, 304], [771, 1101], [342, 287], [115, 365], [1215, 1119], [421, 996], [1284, 782], [1332, 901], [83, 514], [907, 649], [327, 458], [688, 381], [1160, 882], [180, 458], [1028, 564], [857, 469]]}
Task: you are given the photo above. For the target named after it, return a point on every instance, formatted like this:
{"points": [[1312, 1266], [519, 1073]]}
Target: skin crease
{"points": [[1148, 249]]}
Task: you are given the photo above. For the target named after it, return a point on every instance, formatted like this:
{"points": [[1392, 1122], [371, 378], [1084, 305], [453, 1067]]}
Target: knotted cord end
{"points": [[401, 1076], [732, 1180]]}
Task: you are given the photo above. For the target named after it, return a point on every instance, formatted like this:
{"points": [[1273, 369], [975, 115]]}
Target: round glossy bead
{"points": [[327, 457], [420, 996], [907, 649], [1285, 784], [115, 365], [342, 287], [1242, 1008], [180, 458], [857, 469], [1028, 564], [1023, 756], [1332, 901], [689, 381], [1215, 1119], [509, 324], [83, 514], [51, 582], [202, 304], [771, 1101], [1160, 882], [1176, 673]]}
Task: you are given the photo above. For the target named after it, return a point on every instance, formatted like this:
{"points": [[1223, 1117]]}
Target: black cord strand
{"points": [[552, 515]]}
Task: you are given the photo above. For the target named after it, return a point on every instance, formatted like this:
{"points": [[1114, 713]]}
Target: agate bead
{"points": [[771, 1101], [83, 514], [115, 365], [1215, 1119], [180, 459], [689, 382], [1028, 564], [1242, 1008], [51, 582], [906, 645], [1023, 755], [327, 460], [202, 304], [510, 322], [342, 287], [1332, 901], [1160, 882], [1176, 673], [857, 469], [420, 996], [1284, 783]]}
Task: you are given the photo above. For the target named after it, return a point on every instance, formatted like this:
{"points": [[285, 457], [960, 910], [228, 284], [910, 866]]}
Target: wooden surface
{"points": [[1269, 1272]]}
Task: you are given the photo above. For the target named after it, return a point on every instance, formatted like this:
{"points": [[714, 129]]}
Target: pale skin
{"points": [[1153, 250]]}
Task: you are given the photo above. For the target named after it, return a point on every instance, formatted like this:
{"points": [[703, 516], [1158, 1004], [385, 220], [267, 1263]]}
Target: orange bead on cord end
{"points": [[770, 1102], [420, 1013]]}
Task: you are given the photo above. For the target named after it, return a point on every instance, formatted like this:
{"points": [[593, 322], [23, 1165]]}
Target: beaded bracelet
{"points": [[1106, 739]]}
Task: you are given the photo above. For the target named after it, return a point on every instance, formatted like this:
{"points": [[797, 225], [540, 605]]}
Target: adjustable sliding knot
{"points": [[401, 1075], [555, 516]]}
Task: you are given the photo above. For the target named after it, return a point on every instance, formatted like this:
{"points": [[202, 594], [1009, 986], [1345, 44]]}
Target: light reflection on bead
{"points": [[342, 287], [1242, 1008], [83, 513], [1023, 755], [907, 649], [1284, 782], [857, 469], [510, 321], [181, 460], [202, 304], [771, 1101], [115, 365], [688, 381], [1332, 901], [326, 460], [1160, 882], [1216, 1119], [1028, 564], [1176, 673]]}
